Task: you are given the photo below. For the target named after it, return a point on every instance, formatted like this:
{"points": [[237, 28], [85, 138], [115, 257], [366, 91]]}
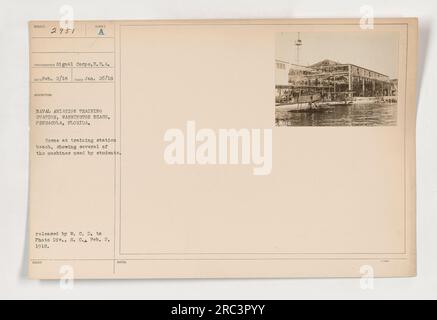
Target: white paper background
{"points": [[14, 144]]}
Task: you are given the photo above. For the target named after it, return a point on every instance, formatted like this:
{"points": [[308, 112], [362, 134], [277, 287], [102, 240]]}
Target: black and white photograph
{"points": [[336, 78]]}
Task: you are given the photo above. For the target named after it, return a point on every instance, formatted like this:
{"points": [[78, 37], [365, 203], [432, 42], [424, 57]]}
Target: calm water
{"points": [[350, 115]]}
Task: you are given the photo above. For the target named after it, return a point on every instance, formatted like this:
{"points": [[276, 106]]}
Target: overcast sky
{"points": [[377, 51]]}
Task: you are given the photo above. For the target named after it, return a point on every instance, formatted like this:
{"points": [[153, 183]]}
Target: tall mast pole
{"points": [[298, 44]]}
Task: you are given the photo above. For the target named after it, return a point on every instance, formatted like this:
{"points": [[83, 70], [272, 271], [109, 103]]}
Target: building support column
{"points": [[335, 86]]}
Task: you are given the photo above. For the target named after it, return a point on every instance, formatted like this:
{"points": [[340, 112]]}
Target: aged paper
{"points": [[222, 148]]}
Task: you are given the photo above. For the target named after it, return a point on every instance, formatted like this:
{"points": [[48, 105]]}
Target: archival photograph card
{"points": [[222, 148]]}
